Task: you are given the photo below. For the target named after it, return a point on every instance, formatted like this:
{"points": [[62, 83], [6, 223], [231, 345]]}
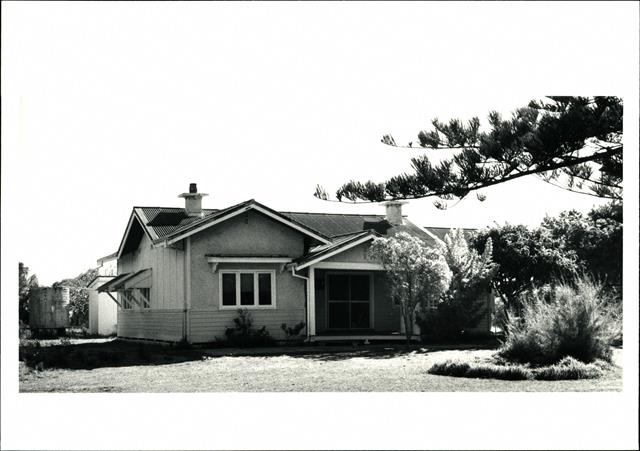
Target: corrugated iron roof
{"points": [[165, 221], [331, 224]]}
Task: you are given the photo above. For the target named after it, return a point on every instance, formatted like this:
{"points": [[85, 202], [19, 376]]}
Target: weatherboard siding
{"points": [[167, 265], [210, 325], [166, 325]]}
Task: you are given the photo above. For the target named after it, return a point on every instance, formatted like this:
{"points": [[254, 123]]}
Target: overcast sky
{"points": [[116, 105]]}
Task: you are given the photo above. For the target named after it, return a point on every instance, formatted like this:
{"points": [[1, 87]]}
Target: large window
{"points": [[253, 289]]}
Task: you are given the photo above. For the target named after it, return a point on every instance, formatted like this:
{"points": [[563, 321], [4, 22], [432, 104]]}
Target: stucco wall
{"points": [[357, 254], [250, 234]]}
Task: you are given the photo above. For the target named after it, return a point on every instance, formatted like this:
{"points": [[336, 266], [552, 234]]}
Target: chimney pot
{"points": [[394, 212], [193, 200]]}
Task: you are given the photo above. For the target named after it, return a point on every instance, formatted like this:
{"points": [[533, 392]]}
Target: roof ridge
{"points": [[173, 208], [334, 214]]}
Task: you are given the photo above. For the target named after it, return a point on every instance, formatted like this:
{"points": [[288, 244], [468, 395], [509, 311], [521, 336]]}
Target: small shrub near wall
{"points": [[243, 334]]}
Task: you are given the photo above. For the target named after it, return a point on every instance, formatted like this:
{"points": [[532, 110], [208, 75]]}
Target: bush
{"points": [[571, 320], [293, 333], [244, 335]]}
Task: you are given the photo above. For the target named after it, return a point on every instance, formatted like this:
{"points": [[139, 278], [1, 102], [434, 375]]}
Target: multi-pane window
{"points": [[140, 299], [247, 289], [145, 297], [127, 302]]}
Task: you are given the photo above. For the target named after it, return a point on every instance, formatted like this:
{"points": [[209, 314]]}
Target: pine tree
{"points": [[572, 142]]}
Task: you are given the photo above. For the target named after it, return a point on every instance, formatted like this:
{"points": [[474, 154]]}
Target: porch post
{"points": [[312, 301]]}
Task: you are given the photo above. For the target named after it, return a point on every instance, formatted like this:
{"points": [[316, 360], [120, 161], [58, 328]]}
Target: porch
{"points": [[352, 304]]}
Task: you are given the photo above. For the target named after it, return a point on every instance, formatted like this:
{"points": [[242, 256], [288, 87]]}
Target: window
{"points": [[145, 297], [254, 289], [125, 297], [130, 299]]}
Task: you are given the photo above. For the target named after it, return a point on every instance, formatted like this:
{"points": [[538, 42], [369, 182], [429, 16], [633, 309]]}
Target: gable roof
{"points": [[339, 245], [332, 230]]}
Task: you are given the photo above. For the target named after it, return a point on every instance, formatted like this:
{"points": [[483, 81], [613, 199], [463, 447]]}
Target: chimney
{"points": [[193, 200], [394, 212]]}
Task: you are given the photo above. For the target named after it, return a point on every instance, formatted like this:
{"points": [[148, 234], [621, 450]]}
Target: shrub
{"points": [[292, 333], [572, 320], [244, 335]]}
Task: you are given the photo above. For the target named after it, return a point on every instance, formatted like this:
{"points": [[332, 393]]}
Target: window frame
{"points": [[256, 289]]}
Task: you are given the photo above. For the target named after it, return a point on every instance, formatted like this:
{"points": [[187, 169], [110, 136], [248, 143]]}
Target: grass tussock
{"points": [[567, 369], [573, 320], [481, 370]]}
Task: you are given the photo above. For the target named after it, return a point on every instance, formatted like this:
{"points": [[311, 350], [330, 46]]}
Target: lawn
{"points": [[155, 368]]}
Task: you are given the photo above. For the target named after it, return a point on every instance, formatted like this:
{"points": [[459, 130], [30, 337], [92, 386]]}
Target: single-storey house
{"points": [[184, 272]]}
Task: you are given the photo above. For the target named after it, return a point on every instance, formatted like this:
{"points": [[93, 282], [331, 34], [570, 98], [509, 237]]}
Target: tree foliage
{"points": [[78, 297], [574, 142], [417, 274], [595, 239], [560, 248], [526, 258], [461, 306], [26, 283]]}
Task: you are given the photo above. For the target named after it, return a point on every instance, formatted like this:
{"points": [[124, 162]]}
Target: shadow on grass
{"points": [[390, 351], [121, 353], [115, 353]]}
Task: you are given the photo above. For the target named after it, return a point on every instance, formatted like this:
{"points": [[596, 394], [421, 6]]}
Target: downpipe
{"points": [[306, 302]]}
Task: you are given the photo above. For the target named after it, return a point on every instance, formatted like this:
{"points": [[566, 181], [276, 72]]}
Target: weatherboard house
{"points": [[182, 273]]}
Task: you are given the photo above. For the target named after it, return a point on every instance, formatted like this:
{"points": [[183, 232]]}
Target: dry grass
{"points": [[360, 369]]}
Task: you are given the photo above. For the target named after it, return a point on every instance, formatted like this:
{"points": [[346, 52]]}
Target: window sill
{"points": [[248, 307]]}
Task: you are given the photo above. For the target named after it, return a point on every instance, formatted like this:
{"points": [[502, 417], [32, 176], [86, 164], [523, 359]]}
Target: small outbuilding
{"points": [[103, 311]]}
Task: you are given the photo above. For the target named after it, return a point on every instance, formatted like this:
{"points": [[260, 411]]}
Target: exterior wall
{"points": [[167, 264], [357, 254], [102, 310], [251, 234], [151, 324], [386, 316], [93, 311], [107, 315]]}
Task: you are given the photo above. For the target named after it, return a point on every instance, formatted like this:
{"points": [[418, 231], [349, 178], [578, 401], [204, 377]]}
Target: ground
{"points": [[366, 368]]}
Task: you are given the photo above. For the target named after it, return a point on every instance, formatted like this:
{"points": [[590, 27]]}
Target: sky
{"points": [[107, 105], [123, 106]]}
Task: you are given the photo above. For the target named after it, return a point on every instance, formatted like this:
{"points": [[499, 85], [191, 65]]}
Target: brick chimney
{"points": [[394, 212], [193, 200]]}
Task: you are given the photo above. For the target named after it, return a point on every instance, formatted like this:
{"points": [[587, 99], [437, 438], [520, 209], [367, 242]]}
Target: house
{"points": [[103, 312], [184, 272]]}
